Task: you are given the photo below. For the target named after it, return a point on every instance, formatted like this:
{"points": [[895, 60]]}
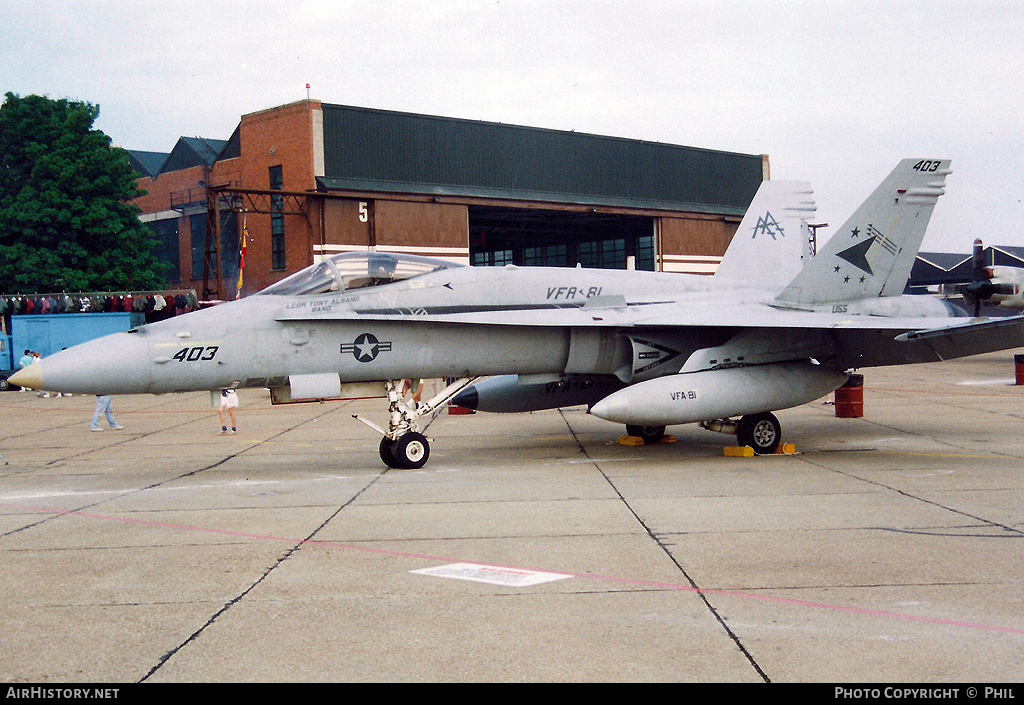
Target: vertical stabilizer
{"points": [[772, 242], [874, 251]]}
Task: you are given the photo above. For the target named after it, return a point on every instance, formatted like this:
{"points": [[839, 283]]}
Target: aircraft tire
{"points": [[411, 451], [762, 432], [387, 454], [650, 434]]}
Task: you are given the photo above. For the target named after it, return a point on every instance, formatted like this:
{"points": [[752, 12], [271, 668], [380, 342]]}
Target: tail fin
{"points": [[772, 242], [874, 251]]}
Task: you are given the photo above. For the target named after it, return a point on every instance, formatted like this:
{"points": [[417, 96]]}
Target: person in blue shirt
{"points": [[24, 362]]}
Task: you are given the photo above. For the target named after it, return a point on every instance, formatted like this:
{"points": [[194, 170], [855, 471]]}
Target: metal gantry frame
{"points": [[226, 197]]}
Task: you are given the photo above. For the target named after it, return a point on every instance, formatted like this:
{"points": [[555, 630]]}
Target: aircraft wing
{"points": [[972, 338]]}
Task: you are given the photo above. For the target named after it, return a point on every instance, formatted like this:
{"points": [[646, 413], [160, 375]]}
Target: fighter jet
{"points": [[766, 332]]}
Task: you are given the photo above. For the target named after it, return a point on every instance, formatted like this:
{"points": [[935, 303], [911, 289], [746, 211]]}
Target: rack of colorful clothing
{"points": [[156, 305]]}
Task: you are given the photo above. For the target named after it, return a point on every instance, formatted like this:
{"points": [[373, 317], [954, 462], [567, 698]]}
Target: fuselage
{"points": [[456, 322]]}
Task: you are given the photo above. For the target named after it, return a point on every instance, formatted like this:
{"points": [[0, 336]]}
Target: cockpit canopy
{"points": [[355, 270]]}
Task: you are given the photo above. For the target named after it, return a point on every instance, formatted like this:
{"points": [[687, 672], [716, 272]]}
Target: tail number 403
{"points": [[196, 354]]}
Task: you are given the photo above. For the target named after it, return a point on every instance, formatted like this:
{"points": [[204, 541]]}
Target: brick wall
{"points": [[284, 137]]}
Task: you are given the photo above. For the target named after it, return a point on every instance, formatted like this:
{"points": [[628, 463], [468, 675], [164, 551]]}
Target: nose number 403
{"points": [[196, 354]]}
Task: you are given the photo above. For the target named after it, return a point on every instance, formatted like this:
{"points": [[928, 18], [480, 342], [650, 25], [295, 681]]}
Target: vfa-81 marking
{"points": [[772, 329], [572, 293]]}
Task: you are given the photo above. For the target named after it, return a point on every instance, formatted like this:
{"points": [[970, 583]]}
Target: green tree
{"points": [[65, 219]]}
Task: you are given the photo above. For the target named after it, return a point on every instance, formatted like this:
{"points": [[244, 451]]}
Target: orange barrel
{"points": [[1018, 368], [850, 398]]}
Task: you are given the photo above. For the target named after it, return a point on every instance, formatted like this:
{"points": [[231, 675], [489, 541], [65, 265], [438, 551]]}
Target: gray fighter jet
{"points": [[772, 329]]}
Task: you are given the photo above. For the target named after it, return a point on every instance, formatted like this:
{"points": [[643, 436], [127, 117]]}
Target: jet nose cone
{"points": [[30, 377], [115, 364]]}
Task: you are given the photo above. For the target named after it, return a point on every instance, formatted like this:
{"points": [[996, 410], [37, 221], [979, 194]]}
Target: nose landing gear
{"points": [[408, 452], [403, 446]]}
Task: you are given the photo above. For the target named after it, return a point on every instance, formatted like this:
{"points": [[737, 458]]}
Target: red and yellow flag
{"points": [[241, 259]]}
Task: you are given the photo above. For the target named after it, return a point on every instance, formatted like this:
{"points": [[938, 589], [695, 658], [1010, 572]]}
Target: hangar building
{"points": [[312, 178]]}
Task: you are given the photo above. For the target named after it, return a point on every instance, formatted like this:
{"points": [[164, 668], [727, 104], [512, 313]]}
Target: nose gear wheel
{"points": [[403, 446]]}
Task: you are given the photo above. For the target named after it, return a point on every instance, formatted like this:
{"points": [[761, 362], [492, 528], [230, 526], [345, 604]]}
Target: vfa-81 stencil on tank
{"points": [[772, 329]]}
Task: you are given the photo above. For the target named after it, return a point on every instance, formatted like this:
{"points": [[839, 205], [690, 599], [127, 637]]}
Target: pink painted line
{"points": [[444, 559]]}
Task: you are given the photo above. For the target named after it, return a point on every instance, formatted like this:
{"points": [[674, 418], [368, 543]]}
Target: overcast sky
{"points": [[836, 93]]}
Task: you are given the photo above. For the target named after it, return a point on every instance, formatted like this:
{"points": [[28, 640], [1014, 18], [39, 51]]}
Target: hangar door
{"points": [[545, 238]]}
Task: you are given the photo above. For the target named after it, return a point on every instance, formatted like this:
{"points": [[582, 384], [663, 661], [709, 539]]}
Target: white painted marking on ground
{"points": [[496, 575], [987, 382], [590, 461], [58, 494]]}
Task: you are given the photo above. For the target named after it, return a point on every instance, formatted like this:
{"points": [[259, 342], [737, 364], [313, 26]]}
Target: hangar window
{"points": [[197, 226], [204, 251], [165, 233], [493, 258], [646, 255], [546, 256], [277, 260], [556, 238], [603, 254]]}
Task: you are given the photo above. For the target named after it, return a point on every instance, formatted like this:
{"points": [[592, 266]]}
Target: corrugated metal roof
{"points": [[409, 153], [193, 151], [146, 163], [233, 146], [948, 267], [1004, 255], [187, 152], [942, 260]]}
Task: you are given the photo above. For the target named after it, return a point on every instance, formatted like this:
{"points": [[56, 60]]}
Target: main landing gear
{"points": [[403, 445], [649, 434], [762, 432]]}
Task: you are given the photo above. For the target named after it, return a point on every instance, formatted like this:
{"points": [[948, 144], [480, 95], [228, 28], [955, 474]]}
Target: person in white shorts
{"points": [[229, 404]]}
